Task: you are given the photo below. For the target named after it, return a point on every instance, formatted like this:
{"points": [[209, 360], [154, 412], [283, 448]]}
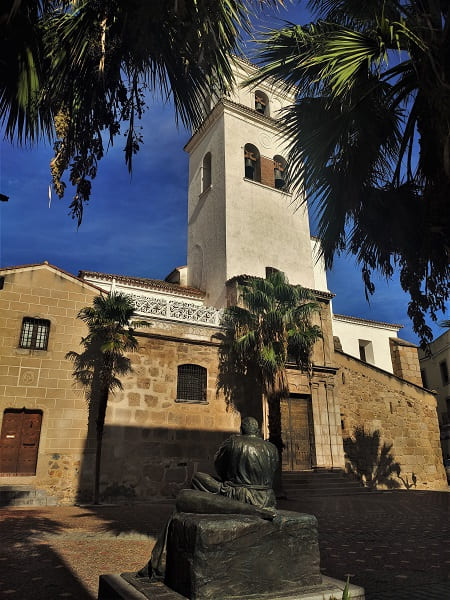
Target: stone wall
{"points": [[42, 379], [405, 360], [404, 413], [154, 443]]}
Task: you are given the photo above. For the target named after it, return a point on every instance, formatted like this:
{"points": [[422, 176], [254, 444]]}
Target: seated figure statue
{"points": [[245, 465]]}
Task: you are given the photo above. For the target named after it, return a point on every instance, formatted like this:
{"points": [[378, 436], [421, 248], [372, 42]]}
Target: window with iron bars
{"points": [[191, 383], [34, 334]]}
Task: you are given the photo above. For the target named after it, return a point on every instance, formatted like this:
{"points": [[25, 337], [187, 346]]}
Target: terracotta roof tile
{"points": [[155, 284]]}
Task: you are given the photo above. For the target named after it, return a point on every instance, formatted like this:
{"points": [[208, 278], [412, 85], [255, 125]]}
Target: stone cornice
{"points": [[236, 108], [241, 279], [360, 321]]}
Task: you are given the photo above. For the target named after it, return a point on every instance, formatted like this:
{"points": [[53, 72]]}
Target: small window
{"points": [[206, 172], [191, 385], [34, 334], [366, 351], [262, 103], [424, 378], [252, 161], [444, 372]]}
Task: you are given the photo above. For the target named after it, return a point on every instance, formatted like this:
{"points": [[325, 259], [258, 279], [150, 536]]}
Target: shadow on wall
{"points": [[369, 462], [140, 462], [240, 385]]}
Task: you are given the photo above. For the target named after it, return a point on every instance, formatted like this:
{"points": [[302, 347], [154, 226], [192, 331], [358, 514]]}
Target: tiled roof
{"points": [[368, 321], [154, 284]]}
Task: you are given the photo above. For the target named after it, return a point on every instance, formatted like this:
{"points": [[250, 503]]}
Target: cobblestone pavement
{"points": [[395, 544]]}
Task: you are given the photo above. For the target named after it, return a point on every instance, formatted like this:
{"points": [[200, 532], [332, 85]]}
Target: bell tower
{"points": [[241, 219]]}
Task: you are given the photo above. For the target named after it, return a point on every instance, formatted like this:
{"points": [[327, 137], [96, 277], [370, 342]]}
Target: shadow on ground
{"points": [[29, 568], [394, 544]]}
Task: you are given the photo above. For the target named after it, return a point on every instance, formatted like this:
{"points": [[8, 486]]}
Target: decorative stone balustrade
{"points": [[176, 310]]}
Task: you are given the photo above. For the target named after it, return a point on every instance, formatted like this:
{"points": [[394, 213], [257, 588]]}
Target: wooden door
{"points": [[19, 441], [296, 427]]}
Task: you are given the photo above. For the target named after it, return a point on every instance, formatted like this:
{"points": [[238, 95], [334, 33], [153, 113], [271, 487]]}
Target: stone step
{"points": [[320, 483], [334, 491], [25, 495]]}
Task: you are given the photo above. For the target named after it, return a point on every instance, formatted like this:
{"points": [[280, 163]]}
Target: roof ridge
{"points": [[45, 263], [351, 318]]}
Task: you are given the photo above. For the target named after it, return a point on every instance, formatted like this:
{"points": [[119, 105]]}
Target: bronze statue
{"points": [[245, 465]]}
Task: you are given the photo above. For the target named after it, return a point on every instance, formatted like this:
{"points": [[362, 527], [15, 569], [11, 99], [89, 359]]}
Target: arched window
{"points": [[252, 162], [191, 383], [262, 103], [279, 170], [206, 172]]}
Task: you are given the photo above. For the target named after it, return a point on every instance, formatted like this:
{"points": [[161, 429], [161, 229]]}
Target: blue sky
{"points": [[137, 225]]}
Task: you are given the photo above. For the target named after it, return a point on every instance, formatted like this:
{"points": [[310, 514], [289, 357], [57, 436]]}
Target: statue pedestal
{"points": [[128, 587], [224, 557]]}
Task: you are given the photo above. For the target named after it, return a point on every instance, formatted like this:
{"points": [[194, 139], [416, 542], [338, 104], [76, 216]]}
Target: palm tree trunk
{"points": [[274, 418], [275, 393], [98, 451], [273, 402]]}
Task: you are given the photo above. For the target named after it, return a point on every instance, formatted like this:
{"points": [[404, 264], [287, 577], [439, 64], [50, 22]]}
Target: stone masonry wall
{"points": [[405, 360], [153, 444], [42, 379], [405, 414]]}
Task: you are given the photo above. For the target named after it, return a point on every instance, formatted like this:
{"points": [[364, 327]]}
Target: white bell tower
{"points": [[240, 221]]}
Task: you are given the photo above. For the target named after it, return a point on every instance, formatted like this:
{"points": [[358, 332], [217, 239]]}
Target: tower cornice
{"points": [[225, 105]]}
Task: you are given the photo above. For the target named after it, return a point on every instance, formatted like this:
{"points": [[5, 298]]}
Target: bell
{"points": [[259, 107], [249, 168], [279, 179]]}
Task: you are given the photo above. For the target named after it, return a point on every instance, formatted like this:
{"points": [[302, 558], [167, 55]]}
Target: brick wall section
{"points": [[42, 379], [404, 413], [405, 361], [267, 174]]}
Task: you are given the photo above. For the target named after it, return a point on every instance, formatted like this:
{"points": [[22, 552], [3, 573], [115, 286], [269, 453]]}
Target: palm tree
{"points": [[85, 66], [274, 323], [370, 132], [103, 359]]}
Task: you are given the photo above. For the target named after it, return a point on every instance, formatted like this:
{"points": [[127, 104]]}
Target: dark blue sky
{"points": [[138, 225]]}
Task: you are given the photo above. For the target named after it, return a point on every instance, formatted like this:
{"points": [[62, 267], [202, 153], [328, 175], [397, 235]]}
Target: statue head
{"points": [[249, 426]]}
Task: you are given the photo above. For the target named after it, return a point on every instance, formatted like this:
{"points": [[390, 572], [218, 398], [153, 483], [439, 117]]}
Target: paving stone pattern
{"points": [[395, 544]]}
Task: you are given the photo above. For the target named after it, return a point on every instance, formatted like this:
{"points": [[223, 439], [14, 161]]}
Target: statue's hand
{"points": [[268, 514]]}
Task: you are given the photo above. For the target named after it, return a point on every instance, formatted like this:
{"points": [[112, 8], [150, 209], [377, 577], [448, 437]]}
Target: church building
{"points": [[169, 419]]}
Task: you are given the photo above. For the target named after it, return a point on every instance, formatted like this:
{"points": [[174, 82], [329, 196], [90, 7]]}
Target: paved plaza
{"points": [[395, 544]]}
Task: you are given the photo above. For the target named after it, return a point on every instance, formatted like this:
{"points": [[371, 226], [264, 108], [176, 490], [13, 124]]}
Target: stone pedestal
{"points": [[233, 556], [129, 587]]}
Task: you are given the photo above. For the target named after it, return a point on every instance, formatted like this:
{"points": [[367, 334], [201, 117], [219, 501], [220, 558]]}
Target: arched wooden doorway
{"points": [[19, 441], [297, 432]]}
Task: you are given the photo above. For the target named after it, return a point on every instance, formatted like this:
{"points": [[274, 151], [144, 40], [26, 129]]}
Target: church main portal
{"points": [[297, 432]]}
